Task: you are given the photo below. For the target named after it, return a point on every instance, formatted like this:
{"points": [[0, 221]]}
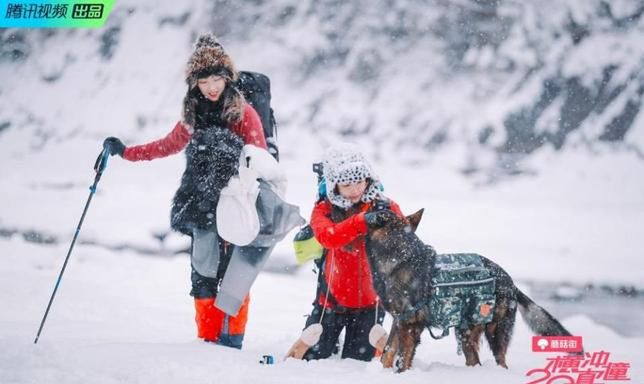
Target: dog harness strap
{"points": [[445, 333]]}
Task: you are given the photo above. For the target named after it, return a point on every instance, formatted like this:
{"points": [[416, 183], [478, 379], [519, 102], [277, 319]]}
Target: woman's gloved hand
{"points": [[114, 146]]}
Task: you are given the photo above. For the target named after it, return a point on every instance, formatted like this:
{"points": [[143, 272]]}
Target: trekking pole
{"points": [[99, 167]]}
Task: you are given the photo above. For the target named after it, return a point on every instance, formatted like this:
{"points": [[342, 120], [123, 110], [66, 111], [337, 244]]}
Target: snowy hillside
{"points": [[412, 77]]}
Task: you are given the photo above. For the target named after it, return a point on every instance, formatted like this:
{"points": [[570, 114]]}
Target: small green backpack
{"points": [[306, 246]]}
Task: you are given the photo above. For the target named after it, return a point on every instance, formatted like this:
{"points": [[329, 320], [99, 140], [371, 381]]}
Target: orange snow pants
{"points": [[216, 326]]}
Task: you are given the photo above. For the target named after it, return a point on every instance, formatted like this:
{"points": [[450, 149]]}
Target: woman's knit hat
{"points": [[345, 164], [209, 58]]}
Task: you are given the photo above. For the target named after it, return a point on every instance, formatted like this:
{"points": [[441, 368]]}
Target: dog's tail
{"points": [[538, 319]]}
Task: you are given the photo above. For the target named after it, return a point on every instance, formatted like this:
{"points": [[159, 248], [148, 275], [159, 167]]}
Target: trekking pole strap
{"points": [[99, 167]]}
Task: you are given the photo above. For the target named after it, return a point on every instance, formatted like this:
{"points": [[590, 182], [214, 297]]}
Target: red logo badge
{"points": [[557, 344], [485, 310]]}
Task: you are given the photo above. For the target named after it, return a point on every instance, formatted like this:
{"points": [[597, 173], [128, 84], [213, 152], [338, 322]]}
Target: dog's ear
{"points": [[414, 219]]}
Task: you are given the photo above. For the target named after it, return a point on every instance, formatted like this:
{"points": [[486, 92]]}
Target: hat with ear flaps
{"points": [[209, 58], [344, 163]]}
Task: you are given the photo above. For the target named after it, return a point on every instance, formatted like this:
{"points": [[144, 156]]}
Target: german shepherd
{"points": [[401, 269]]}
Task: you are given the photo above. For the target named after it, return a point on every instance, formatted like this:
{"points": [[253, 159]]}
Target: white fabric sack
{"points": [[311, 335], [237, 219], [267, 168], [376, 333]]}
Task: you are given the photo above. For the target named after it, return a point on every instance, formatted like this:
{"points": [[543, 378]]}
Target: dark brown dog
{"points": [[401, 270]]}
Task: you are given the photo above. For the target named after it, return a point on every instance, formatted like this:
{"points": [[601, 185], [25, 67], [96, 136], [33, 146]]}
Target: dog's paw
{"points": [[400, 365]]}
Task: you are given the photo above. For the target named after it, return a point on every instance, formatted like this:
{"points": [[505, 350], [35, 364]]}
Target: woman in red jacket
{"points": [[346, 296], [217, 122]]}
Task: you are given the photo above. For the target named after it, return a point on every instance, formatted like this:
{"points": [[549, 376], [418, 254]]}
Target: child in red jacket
{"points": [[346, 296]]}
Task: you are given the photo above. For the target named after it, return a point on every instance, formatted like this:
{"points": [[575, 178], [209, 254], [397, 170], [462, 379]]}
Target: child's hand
{"points": [[379, 218]]}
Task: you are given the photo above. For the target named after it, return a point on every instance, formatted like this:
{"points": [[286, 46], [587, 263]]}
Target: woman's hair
{"points": [[233, 109], [228, 110]]}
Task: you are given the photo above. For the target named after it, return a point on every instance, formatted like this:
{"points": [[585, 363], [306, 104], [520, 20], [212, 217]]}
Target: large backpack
{"points": [[256, 88]]}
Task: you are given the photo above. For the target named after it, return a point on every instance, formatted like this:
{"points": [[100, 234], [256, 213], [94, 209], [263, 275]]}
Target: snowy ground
{"points": [[121, 316], [126, 318]]}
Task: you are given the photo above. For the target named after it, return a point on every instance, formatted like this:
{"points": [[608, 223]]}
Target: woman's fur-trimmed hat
{"points": [[209, 58]]}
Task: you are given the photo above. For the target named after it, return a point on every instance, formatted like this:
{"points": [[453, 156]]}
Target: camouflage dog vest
{"points": [[462, 292]]}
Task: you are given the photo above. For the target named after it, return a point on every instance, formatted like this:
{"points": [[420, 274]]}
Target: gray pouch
{"points": [[205, 252]]}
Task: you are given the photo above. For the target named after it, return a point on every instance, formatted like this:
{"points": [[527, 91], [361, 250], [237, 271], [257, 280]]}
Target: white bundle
{"points": [[310, 336]]}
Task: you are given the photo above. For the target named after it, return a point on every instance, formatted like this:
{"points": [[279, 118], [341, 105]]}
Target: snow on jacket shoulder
{"points": [[249, 129], [346, 269]]}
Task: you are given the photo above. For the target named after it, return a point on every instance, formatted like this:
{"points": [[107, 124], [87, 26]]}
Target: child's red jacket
{"points": [[346, 269]]}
